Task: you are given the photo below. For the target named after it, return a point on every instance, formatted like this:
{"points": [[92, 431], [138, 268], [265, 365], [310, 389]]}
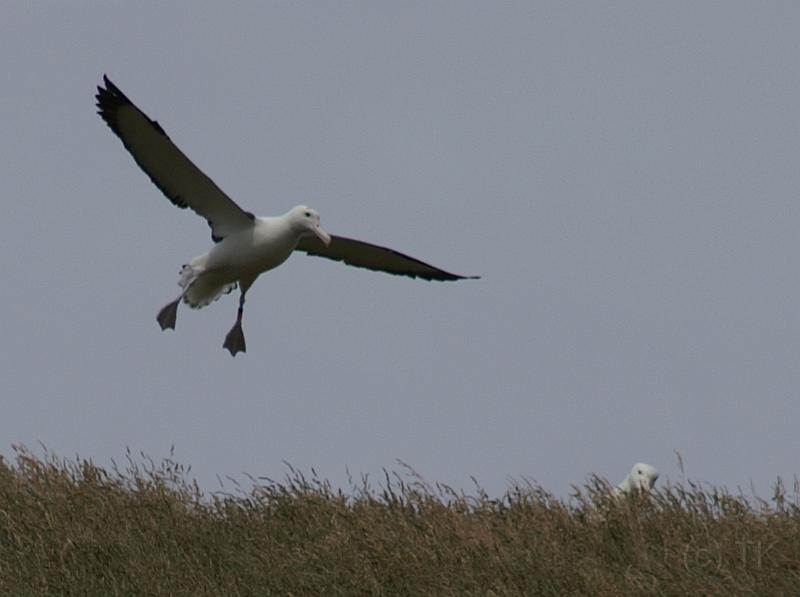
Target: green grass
{"points": [[72, 528]]}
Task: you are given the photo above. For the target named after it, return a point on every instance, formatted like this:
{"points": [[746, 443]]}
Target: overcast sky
{"points": [[625, 177]]}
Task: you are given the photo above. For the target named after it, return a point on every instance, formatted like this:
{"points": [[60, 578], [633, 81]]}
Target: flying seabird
{"points": [[245, 245]]}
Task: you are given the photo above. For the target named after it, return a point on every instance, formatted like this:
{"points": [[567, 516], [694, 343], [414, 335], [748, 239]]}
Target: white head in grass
{"points": [[641, 478]]}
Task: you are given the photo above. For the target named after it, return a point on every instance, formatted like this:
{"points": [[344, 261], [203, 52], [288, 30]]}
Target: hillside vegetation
{"points": [[73, 528]]}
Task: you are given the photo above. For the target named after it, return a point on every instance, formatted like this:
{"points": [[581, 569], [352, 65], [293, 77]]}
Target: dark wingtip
{"points": [[448, 277], [113, 88], [111, 94], [443, 277], [109, 100]]}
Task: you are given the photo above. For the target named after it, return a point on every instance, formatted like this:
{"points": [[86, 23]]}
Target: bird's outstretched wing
{"points": [[360, 254], [170, 170]]}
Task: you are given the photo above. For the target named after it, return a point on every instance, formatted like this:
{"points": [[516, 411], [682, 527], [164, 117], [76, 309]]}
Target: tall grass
{"points": [[68, 527]]}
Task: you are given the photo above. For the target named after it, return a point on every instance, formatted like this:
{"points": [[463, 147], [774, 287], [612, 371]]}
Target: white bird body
{"points": [[246, 245], [261, 248], [243, 256]]}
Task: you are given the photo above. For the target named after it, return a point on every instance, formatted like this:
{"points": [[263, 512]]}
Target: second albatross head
{"points": [[306, 220]]}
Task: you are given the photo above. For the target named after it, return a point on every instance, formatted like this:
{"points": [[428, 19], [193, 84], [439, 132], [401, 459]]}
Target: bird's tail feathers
{"points": [[199, 291]]}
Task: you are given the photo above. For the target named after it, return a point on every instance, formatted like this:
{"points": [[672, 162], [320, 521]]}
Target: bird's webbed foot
{"points": [[167, 316], [234, 341]]}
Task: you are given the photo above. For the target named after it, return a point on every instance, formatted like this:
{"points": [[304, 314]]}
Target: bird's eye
{"points": [[308, 214]]}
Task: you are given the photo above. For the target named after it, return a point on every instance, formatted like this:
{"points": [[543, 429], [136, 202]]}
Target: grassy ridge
{"points": [[72, 528]]}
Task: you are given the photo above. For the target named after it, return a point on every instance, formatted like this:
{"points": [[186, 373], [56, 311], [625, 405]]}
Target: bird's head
{"points": [[306, 220], [643, 476]]}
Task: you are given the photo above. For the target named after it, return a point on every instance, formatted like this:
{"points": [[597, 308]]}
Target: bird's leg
{"points": [[166, 317], [234, 341]]}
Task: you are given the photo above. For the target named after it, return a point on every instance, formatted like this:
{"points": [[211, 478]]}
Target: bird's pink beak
{"points": [[323, 236]]}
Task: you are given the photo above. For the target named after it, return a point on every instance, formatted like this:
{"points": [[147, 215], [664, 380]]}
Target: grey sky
{"points": [[624, 176]]}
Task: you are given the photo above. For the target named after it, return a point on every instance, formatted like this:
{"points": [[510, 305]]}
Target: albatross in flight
{"points": [[245, 245]]}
